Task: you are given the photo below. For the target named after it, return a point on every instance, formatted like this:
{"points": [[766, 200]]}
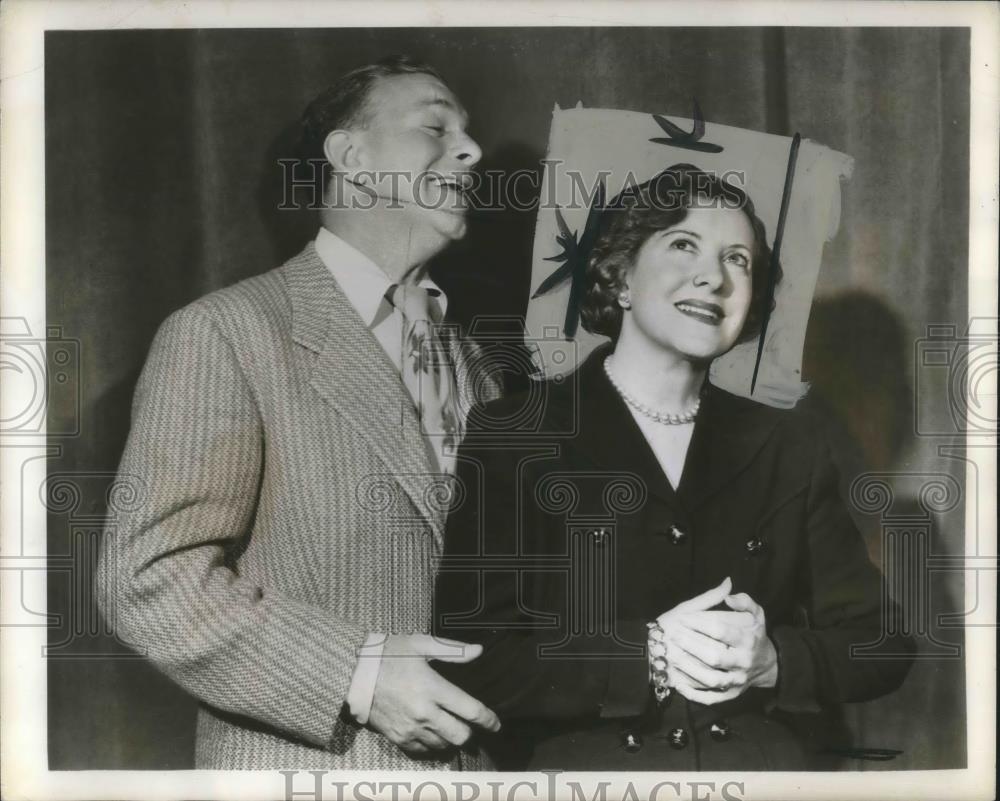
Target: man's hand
{"points": [[714, 656], [417, 709]]}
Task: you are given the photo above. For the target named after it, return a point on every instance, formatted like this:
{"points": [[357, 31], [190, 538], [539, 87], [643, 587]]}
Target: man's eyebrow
{"points": [[437, 100], [444, 101]]}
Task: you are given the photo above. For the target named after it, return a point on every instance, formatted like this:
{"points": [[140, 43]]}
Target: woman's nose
{"points": [[709, 273]]}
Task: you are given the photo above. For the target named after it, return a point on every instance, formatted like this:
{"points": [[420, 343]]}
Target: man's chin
{"points": [[451, 224]]}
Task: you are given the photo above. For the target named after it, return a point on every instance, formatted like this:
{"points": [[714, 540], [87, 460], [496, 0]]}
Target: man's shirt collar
{"points": [[362, 280]]}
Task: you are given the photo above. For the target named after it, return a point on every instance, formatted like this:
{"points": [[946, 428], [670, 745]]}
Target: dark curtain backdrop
{"points": [[162, 184]]}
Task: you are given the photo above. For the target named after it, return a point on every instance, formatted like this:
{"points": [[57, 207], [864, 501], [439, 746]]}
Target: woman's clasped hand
{"points": [[715, 655]]}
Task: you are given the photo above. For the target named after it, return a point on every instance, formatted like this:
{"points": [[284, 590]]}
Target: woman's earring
{"points": [[624, 301]]}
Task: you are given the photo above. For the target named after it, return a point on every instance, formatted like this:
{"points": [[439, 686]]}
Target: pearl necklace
{"points": [[665, 418]]}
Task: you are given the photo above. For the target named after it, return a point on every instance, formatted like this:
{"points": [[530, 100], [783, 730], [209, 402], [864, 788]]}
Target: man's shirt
{"points": [[365, 284]]}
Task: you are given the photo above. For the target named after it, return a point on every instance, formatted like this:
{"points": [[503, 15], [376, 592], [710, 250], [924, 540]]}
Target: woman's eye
{"points": [[739, 259], [682, 244]]}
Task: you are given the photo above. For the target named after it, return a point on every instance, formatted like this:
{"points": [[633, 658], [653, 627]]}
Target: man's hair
{"points": [[347, 104], [661, 202]]}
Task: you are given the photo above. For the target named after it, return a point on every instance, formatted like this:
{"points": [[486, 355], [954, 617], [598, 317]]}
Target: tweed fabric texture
{"points": [[283, 507]]}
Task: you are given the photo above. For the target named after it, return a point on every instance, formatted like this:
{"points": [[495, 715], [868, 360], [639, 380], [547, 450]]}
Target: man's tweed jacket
{"points": [[282, 507]]}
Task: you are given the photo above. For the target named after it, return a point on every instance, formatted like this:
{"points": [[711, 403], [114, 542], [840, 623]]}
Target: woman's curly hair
{"points": [[634, 216]]}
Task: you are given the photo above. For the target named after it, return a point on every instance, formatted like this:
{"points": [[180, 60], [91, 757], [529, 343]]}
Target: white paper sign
{"points": [[627, 147]]}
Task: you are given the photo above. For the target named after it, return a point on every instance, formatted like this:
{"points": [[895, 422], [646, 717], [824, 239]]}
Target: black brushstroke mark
{"points": [[793, 154], [871, 754], [688, 140], [574, 260]]}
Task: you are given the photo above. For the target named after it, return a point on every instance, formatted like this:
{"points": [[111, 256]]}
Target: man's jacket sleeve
{"points": [[167, 580]]}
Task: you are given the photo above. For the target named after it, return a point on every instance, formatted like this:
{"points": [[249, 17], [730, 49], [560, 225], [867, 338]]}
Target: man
{"points": [[290, 436]]}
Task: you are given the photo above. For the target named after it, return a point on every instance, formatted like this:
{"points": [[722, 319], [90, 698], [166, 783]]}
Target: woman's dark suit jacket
{"points": [[566, 538]]}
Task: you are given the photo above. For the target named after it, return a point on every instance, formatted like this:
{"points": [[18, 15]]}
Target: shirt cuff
{"points": [[362, 690]]}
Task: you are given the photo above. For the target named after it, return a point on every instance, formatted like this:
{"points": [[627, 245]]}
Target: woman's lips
{"points": [[700, 310]]}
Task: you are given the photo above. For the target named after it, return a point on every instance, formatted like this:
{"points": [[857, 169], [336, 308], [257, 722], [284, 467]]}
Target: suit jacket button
{"points": [[677, 536], [631, 741], [756, 546], [720, 731], [678, 738]]}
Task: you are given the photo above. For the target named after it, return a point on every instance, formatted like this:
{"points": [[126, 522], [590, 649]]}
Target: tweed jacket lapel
{"points": [[355, 376], [475, 379]]}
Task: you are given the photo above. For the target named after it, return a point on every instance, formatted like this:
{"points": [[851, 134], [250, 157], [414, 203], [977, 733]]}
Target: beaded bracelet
{"points": [[657, 648]]}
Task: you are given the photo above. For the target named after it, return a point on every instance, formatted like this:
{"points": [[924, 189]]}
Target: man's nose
{"points": [[467, 151]]}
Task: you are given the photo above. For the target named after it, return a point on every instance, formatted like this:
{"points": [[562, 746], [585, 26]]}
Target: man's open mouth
{"points": [[450, 194]]}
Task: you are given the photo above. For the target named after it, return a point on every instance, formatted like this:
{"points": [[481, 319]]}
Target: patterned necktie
{"points": [[427, 370]]}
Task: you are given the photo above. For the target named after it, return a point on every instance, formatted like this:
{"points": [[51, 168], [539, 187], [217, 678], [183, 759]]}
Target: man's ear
{"points": [[341, 151]]}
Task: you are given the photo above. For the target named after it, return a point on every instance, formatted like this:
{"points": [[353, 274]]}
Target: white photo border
{"points": [[22, 204]]}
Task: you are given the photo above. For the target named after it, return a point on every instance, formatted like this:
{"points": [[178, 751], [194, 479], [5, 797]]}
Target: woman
{"points": [[661, 573]]}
